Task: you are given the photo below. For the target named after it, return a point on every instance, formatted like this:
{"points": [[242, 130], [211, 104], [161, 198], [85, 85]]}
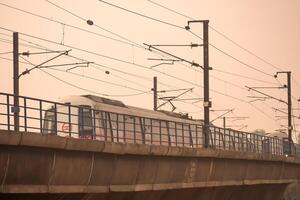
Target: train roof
{"points": [[116, 106]]}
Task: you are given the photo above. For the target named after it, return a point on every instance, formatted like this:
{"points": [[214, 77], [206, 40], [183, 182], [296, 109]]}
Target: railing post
{"points": [[117, 122], [134, 131], [124, 128], [94, 124], [41, 116], [175, 131], [69, 119], [25, 114], [196, 136], [151, 131], [160, 136], [8, 112], [55, 118]]}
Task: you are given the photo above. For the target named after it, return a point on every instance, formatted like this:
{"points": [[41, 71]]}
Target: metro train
{"points": [[94, 117]]}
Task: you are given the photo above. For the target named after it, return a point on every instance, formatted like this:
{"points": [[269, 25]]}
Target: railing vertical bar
{"points": [[151, 131], [41, 116], [55, 118], [8, 112], [110, 127], [168, 132], [25, 114], [175, 132], [134, 131], [215, 138], [160, 136], [219, 138], [94, 124], [191, 136], [196, 136], [117, 121], [230, 140], [142, 125], [183, 142], [124, 128], [69, 120]]}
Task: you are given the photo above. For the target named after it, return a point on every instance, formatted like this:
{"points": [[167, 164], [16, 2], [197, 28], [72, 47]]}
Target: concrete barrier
{"points": [[36, 163]]}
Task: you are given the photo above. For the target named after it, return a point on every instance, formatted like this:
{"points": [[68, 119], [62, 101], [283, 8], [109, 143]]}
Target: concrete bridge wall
{"points": [[35, 163], [250, 192]]}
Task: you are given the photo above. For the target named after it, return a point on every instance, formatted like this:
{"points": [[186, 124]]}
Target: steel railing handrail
{"points": [[188, 134]]}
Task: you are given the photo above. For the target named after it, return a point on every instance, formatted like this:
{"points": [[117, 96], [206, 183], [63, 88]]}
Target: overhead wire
{"points": [[85, 20], [75, 86], [142, 15], [7, 52], [243, 76], [174, 11], [227, 95], [81, 18], [226, 37], [77, 59], [120, 72], [120, 60], [106, 66], [88, 77], [238, 60], [90, 91], [98, 66], [234, 58], [177, 26], [129, 42], [66, 24]]}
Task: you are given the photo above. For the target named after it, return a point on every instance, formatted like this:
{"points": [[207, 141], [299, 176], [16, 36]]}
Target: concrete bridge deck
{"points": [[51, 166]]}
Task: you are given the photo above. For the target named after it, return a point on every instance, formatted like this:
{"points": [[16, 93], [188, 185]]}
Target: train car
{"points": [[94, 117]]}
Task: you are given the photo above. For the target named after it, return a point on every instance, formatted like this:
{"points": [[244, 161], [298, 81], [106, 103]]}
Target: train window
{"points": [[85, 122], [138, 130], [179, 133], [113, 126], [155, 132], [148, 131], [101, 131], [49, 122], [171, 128], [193, 134], [129, 126], [120, 127], [186, 135]]}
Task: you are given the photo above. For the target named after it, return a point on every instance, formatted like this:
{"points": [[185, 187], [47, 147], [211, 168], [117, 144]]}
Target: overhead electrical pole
{"points": [[290, 127], [155, 93], [206, 68], [16, 79], [206, 103], [289, 104]]}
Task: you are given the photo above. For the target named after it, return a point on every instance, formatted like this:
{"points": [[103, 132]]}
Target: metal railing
{"points": [[66, 120]]}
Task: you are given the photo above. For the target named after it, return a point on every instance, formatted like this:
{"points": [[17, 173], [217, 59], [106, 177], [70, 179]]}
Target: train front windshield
{"points": [[85, 122]]}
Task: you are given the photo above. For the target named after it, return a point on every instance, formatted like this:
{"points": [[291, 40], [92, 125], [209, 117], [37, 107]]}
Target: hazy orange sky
{"points": [[269, 28]]}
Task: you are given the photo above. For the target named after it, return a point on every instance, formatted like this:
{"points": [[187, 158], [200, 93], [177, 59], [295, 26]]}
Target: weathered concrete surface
{"points": [[292, 192], [257, 192], [36, 163]]}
